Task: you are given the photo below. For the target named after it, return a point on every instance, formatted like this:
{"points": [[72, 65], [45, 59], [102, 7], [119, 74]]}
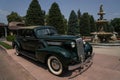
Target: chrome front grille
{"points": [[80, 48]]}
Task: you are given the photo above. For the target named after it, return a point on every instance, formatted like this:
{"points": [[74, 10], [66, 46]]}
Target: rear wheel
{"points": [[55, 66], [17, 50]]}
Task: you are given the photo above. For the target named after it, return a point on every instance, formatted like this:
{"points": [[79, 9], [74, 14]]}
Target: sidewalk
{"points": [[12, 70]]}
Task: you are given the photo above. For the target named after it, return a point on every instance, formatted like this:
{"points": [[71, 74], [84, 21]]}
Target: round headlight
{"points": [[84, 42], [72, 44]]}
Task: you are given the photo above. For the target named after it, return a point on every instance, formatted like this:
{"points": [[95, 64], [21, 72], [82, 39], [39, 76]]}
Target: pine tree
{"points": [[35, 15], [73, 28], [65, 25], [79, 16], [79, 19], [85, 25], [92, 24], [55, 18]]}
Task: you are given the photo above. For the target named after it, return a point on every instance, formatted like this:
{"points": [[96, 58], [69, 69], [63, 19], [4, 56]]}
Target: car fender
{"points": [[61, 53], [15, 42], [88, 47]]}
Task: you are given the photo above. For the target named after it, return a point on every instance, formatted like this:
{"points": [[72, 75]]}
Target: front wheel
{"points": [[55, 66]]}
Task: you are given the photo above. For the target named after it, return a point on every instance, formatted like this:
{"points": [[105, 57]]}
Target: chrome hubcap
{"points": [[55, 64]]}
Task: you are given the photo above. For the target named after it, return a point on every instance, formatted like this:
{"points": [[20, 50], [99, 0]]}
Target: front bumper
{"points": [[87, 62]]}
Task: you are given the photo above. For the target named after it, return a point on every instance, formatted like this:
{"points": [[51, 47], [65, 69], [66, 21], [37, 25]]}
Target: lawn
{"points": [[5, 45]]}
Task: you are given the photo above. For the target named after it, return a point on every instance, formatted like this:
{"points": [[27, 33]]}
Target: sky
{"points": [[111, 7]]}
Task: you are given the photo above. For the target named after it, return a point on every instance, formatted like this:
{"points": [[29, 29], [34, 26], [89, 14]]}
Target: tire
{"points": [[55, 66], [17, 50]]}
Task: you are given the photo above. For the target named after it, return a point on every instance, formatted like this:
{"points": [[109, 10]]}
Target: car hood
{"points": [[60, 37]]}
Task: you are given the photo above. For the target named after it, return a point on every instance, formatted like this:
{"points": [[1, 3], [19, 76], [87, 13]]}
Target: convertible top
{"points": [[33, 27]]}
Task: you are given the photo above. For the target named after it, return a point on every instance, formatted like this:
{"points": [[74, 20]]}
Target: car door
{"points": [[29, 41]]}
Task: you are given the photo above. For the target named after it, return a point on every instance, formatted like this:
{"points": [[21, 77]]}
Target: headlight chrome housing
{"points": [[84, 42], [73, 44]]}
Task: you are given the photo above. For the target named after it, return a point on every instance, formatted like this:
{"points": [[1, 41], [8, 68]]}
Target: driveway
{"points": [[106, 66]]}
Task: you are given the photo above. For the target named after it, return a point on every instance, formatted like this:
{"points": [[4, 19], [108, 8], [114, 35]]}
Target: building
{"points": [[13, 27], [3, 30]]}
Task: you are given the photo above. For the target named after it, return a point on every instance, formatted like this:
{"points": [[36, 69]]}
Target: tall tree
{"points": [[14, 16], [73, 28], [65, 25], [116, 24], [55, 18], [34, 16], [85, 25], [79, 16], [92, 24]]}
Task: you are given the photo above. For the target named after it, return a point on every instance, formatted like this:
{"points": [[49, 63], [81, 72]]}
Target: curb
{"points": [[3, 48]]}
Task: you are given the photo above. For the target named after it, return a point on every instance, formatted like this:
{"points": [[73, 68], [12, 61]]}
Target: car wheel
{"points": [[55, 66], [17, 50]]}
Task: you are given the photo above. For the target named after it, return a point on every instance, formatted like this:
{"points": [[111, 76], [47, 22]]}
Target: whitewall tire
{"points": [[55, 66]]}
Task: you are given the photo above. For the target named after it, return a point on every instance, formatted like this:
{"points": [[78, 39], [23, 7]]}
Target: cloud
{"points": [[3, 12]]}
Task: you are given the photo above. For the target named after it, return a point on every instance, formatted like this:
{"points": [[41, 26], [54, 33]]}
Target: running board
{"points": [[27, 54]]}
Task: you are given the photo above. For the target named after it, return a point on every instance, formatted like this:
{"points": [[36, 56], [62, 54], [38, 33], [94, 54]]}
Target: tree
{"points": [[92, 24], [34, 16], [85, 25], [79, 16], [14, 16], [116, 24], [73, 28], [55, 18], [65, 25]]}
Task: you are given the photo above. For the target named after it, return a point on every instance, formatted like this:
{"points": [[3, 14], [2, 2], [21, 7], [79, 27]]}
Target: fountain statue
{"points": [[101, 35]]}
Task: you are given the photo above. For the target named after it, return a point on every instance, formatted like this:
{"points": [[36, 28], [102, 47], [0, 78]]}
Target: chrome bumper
{"points": [[87, 62]]}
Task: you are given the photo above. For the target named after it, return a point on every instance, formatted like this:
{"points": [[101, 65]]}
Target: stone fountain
{"points": [[101, 35]]}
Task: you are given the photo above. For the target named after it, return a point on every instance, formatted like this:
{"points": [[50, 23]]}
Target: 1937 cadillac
{"points": [[59, 52]]}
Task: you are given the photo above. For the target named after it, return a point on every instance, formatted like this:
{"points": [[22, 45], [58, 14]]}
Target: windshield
{"points": [[43, 32]]}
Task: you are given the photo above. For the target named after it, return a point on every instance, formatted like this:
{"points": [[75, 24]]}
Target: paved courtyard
{"points": [[106, 66]]}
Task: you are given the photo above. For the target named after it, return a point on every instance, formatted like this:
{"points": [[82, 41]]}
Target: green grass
{"points": [[5, 45]]}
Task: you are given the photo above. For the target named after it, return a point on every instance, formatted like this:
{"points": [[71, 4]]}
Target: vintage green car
{"points": [[59, 52]]}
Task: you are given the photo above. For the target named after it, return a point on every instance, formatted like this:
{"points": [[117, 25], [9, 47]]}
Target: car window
{"points": [[29, 33], [48, 31], [26, 33], [52, 32], [42, 32], [21, 32]]}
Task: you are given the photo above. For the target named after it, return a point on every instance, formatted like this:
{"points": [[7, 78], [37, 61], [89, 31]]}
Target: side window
{"points": [[53, 31], [29, 33], [42, 32], [21, 32]]}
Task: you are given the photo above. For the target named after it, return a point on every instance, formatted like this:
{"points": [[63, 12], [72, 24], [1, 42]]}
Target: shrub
{"points": [[10, 38]]}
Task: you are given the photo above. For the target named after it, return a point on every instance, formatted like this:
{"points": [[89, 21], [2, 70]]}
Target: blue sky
{"points": [[111, 7]]}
